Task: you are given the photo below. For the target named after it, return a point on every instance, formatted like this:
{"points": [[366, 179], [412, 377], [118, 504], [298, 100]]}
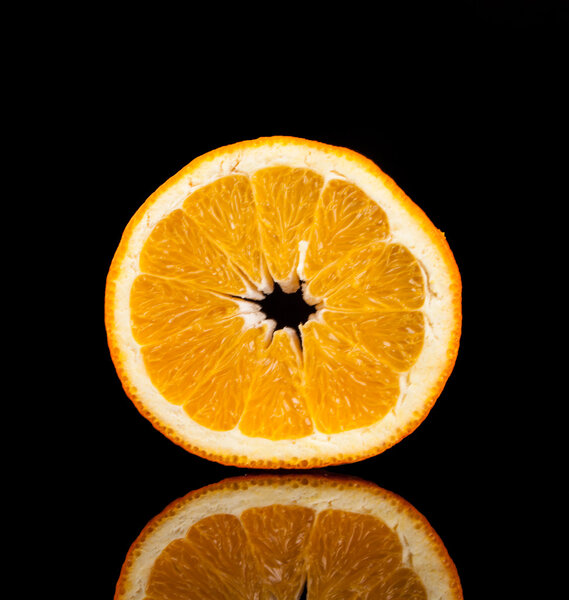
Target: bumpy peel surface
{"points": [[206, 348]]}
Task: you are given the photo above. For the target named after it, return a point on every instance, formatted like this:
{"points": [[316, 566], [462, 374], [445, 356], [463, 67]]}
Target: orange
{"points": [[267, 537], [201, 361]]}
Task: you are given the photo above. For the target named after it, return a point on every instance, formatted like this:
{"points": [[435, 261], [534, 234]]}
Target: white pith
{"points": [[404, 230]]}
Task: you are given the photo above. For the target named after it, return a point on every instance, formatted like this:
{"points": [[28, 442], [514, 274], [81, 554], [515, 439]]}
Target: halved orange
{"points": [[269, 537], [200, 360]]}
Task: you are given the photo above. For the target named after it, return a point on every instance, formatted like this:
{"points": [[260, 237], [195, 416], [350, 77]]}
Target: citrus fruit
{"points": [[205, 365], [269, 537]]}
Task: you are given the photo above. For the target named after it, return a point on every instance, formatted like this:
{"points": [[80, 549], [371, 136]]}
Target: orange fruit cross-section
{"points": [[271, 537], [201, 360]]}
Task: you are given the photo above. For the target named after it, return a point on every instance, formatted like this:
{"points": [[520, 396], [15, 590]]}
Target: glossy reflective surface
{"points": [[282, 536]]}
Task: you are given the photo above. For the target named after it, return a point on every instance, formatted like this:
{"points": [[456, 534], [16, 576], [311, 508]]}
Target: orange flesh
{"points": [[275, 406], [345, 218], [178, 248], [345, 388], [225, 370], [270, 552], [282, 231], [225, 211]]}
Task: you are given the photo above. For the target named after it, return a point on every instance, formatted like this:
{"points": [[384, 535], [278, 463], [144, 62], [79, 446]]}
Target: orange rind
{"points": [[197, 356]]}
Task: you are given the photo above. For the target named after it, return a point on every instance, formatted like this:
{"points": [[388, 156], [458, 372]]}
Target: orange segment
{"points": [[225, 211], [346, 218], [161, 307], [345, 388], [394, 338], [278, 536], [213, 561], [178, 248], [221, 541], [336, 275], [349, 554], [174, 575], [184, 360], [218, 401], [391, 280], [286, 199], [275, 407], [383, 277]]}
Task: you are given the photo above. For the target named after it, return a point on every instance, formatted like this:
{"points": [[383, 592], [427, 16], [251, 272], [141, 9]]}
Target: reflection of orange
{"points": [[267, 536], [203, 364]]}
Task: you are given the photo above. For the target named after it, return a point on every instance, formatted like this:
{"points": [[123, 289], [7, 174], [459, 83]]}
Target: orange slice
{"points": [[268, 536], [209, 369]]}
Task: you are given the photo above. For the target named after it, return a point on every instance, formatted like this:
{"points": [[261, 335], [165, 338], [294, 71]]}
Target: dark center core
{"points": [[288, 310]]}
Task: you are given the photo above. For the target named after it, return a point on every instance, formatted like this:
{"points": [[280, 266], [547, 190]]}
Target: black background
{"points": [[459, 106]]}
